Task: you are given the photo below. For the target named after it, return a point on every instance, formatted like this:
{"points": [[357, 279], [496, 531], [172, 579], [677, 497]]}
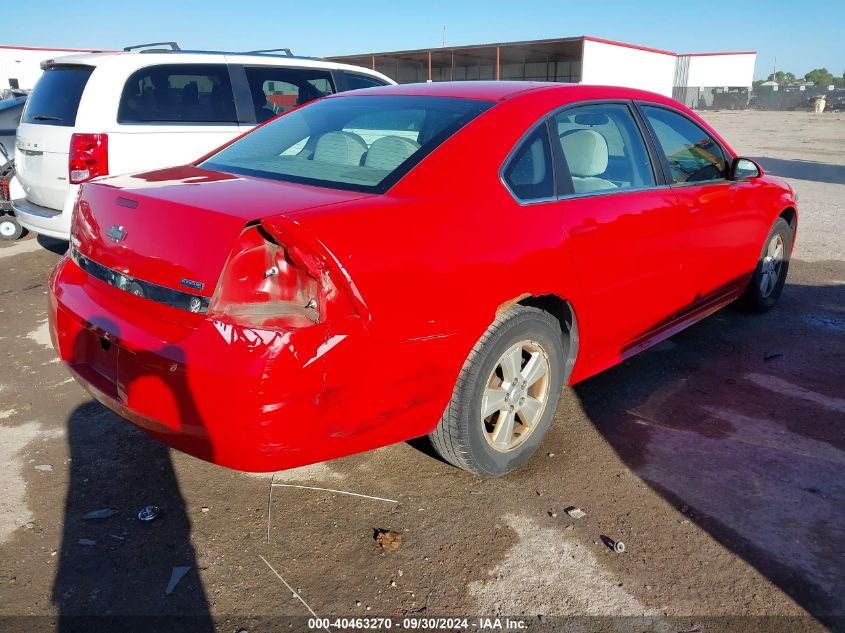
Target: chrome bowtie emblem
{"points": [[116, 233], [195, 304]]}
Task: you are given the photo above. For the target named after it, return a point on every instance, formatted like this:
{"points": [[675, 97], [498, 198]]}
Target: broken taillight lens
{"points": [[265, 285]]}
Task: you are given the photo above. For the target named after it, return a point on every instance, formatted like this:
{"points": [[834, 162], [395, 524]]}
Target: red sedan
{"points": [[432, 259]]}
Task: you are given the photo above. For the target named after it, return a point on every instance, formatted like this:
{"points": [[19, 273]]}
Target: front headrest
{"points": [[342, 148], [585, 152], [389, 152]]}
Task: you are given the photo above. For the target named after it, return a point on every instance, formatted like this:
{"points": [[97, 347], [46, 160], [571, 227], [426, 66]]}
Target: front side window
{"points": [[185, 93], [693, 155], [603, 148], [529, 174], [358, 143], [56, 96], [277, 89]]}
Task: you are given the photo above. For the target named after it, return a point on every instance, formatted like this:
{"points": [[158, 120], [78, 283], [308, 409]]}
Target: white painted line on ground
{"points": [[296, 595]]}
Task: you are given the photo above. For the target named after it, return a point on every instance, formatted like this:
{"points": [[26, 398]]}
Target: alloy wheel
{"points": [[515, 395], [772, 265]]}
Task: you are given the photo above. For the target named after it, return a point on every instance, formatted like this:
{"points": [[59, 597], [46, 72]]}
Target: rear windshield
{"points": [[358, 143], [55, 98]]}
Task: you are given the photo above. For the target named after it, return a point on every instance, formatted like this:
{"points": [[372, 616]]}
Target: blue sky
{"points": [[801, 35]]}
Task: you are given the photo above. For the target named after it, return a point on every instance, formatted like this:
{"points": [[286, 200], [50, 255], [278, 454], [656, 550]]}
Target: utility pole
{"points": [[443, 38]]}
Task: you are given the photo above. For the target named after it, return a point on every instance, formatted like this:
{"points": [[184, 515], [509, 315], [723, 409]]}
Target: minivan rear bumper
{"points": [[45, 221]]}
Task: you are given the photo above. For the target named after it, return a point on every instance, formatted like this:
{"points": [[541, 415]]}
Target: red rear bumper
{"points": [[248, 399]]}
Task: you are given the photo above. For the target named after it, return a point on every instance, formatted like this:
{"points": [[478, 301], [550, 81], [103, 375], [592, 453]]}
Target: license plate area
{"points": [[95, 359]]}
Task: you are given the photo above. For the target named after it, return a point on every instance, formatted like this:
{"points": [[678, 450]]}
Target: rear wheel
{"points": [[506, 395], [9, 228], [770, 274]]}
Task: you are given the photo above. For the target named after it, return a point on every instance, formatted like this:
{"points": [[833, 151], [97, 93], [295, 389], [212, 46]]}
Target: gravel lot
{"points": [[717, 457]]}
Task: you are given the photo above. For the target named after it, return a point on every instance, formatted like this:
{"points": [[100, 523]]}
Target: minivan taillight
{"points": [[89, 157]]}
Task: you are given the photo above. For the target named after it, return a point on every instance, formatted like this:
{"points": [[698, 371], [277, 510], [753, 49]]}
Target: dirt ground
{"points": [[717, 457]]}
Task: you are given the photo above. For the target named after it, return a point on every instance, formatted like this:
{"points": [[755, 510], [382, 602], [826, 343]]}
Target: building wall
{"points": [[735, 70], [628, 66], [24, 64], [719, 81]]}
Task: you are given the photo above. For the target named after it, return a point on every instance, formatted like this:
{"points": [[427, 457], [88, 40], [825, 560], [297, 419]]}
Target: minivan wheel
{"points": [[506, 395], [9, 228], [770, 274]]}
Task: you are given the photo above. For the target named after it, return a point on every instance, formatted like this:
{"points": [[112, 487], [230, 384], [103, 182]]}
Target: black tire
{"points": [[754, 299], [461, 437], [10, 230]]}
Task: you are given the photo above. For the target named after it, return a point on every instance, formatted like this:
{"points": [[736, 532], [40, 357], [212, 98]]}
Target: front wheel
{"points": [[770, 274], [9, 228], [506, 395]]}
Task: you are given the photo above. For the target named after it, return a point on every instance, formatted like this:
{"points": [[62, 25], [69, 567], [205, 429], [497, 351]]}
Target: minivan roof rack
{"points": [[173, 46], [286, 51]]}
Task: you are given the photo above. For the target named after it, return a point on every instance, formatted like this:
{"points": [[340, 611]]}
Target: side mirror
{"points": [[744, 168]]}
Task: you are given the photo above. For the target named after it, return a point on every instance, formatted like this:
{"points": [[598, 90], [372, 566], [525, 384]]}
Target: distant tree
{"points": [[782, 78], [820, 76]]}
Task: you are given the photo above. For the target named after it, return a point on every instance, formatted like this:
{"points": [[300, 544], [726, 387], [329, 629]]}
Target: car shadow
{"points": [[803, 170], [59, 247], [737, 422], [116, 572]]}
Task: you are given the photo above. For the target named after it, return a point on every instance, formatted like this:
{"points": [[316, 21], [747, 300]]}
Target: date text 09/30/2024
{"points": [[418, 624]]}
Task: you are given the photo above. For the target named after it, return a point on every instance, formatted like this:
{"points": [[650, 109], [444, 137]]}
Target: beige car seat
{"points": [[389, 152], [341, 148], [586, 154]]}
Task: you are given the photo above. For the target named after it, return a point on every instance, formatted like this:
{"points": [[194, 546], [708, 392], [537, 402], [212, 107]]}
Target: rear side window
{"points": [[55, 98], [603, 148], [184, 93], [357, 82], [529, 174], [276, 89], [693, 155]]}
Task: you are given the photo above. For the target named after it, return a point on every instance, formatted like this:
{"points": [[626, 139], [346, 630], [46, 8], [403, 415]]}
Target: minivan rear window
{"points": [[55, 98]]}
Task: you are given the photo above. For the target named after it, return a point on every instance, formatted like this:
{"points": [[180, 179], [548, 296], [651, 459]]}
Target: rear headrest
{"points": [[389, 152], [585, 151], [342, 148]]}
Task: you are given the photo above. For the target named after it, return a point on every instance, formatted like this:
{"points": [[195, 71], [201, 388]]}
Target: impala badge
{"points": [[116, 233], [190, 283]]}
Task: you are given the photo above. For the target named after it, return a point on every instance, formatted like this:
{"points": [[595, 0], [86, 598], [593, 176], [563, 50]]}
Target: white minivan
{"points": [[113, 113]]}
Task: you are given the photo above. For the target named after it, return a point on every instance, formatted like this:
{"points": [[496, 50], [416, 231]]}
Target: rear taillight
{"points": [[89, 157], [267, 285]]}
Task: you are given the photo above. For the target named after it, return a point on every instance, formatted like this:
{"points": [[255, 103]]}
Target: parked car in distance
{"points": [[10, 117], [421, 259], [112, 113]]}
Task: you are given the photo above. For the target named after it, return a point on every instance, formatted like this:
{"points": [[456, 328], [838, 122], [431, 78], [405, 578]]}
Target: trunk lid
{"points": [[43, 137], [41, 163], [176, 227]]}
